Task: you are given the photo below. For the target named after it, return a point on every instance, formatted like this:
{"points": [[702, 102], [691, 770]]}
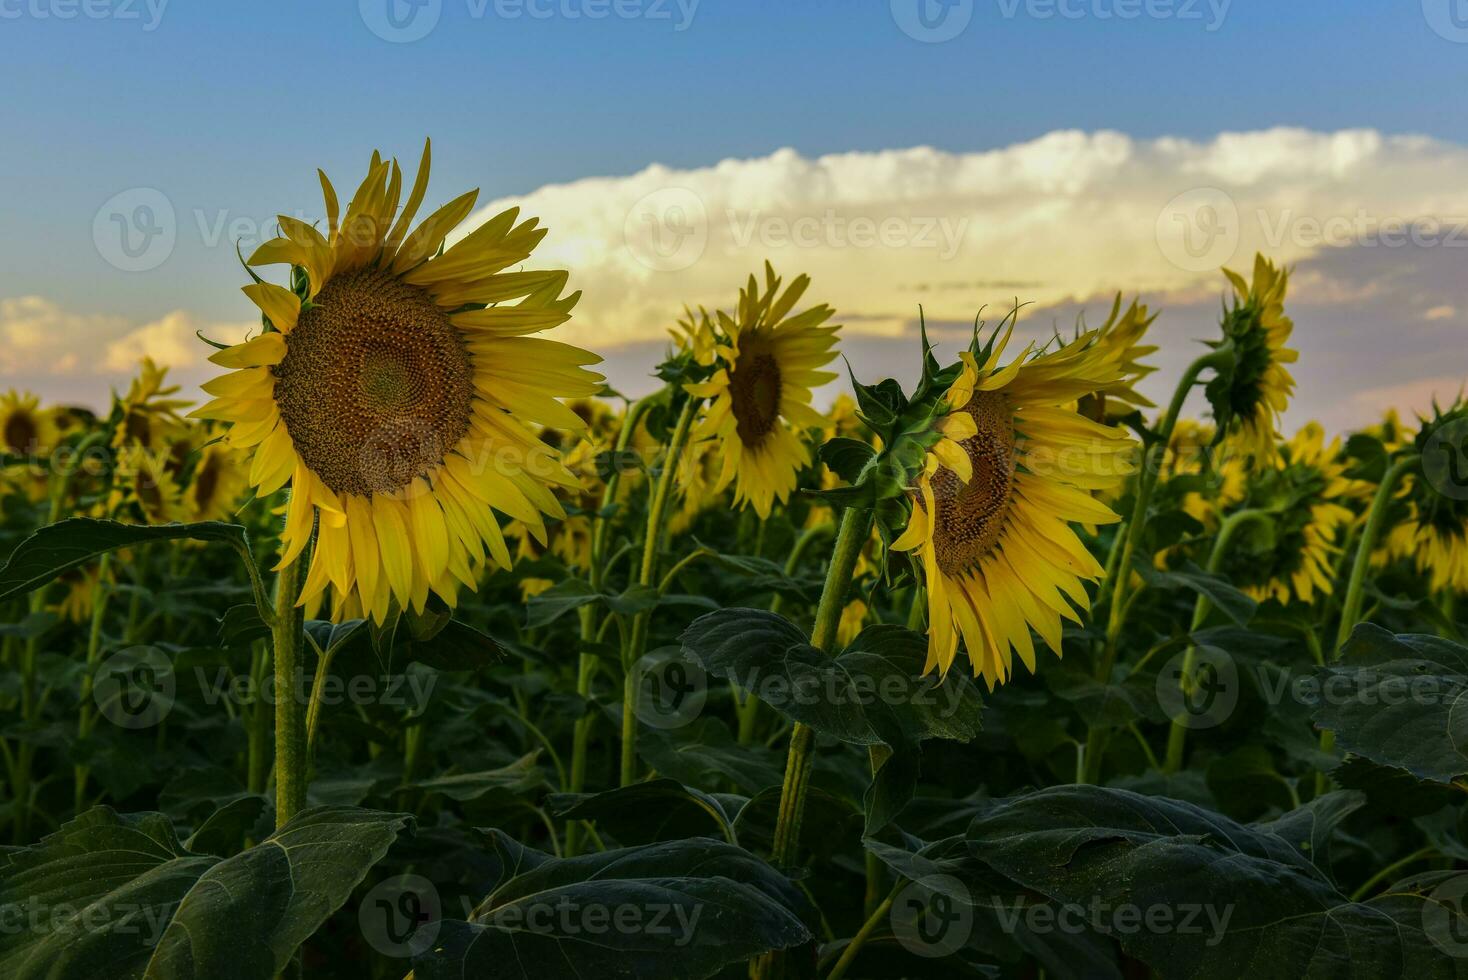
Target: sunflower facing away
{"points": [[1248, 399], [768, 364], [1434, 533], [993, 507], [1294, 553], [397, 391]]}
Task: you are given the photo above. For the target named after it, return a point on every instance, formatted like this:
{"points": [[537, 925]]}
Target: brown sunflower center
{"points": [[376, 386], [971, 515], [754, 386], [21, 433]]}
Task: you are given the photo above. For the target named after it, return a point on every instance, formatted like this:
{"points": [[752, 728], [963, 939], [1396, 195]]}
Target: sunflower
{"points": [[1434, 532], [1249, 397], [395, 390], [216, 484], [1121, 337], [1293, 553], [145, 488], [148, 415], [768, 364], [31, 432], [993, 506]]}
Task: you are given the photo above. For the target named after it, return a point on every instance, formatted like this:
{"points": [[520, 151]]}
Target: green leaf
{"points": [[1230, 601], [873, 693], [518, 778], [62, 546], [573, 593], [658, 809], [125, 899], [681, 909], [1258, 907], [241, 625], [847, 457], [706, 751], [1398, 700]]}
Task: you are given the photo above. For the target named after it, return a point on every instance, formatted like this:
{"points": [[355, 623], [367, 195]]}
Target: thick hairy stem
{"points": [[856, 525], [288, 641], [657, 509], [1177, 736]]}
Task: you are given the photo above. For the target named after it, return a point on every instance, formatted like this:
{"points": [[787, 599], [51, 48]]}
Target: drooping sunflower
{"points": [[768, 364], [993, 507], [396, 390], [1249, 397], [26, 429], [1293, 553], [1433, 534]]}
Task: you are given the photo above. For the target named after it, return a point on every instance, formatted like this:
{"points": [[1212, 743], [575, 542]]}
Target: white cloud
{"points": [[172, 340], [1068, 216], [72, 356]]}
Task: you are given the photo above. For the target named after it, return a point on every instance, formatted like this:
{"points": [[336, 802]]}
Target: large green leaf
{"points": [[657, 809], [873, 693], [118, 896], [679, 909], [1235, 900], [62, 546], [1398, 700]]}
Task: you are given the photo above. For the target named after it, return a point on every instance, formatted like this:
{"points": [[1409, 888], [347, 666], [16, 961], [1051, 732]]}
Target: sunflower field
{"points": [[417, 650]]}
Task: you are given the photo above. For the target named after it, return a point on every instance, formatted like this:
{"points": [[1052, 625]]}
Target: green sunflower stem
{"points": [[1177, 736], [749, 706], [288, 638], [856, 525], [1131, 534], [637, 643], [1355, 587], [587, 664]]}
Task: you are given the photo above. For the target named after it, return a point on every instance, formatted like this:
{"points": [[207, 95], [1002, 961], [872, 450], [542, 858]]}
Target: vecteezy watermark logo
{"points": [[89, 9], [401, 916], [932, 21], [667, 230], [1445, 460], [1198, 230], [400, 21], [1444, 917], [671, 690], [134, 688], [135, 230], [1202, 694], [1448, 19], [933, 916]]}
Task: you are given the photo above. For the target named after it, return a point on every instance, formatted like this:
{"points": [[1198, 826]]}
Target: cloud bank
{"points": [[1375, 225]]}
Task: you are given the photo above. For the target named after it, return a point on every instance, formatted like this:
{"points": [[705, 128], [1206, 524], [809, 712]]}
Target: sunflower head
{"points": [[26, 429], [217, 481], [147, 417], [767, 364], [1249, 393], [398, 389], [1292, 554], [1434, 533], [1014, 467], [1122, 337]]}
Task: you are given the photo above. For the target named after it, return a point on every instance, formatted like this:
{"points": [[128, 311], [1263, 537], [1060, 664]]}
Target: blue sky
{"points": [[227, 109]]}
